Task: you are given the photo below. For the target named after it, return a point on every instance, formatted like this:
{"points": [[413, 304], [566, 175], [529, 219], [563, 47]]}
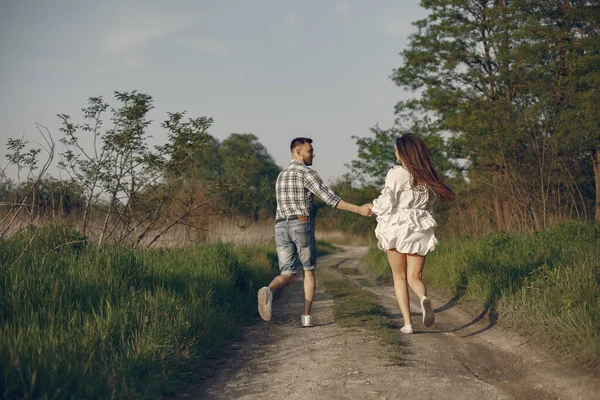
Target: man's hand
{"points": [[365, 210]]}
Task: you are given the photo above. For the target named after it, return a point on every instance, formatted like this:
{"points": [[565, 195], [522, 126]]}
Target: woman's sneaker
{"points": [[407, 329], [265, 300], [427, 310], [306, 321]]}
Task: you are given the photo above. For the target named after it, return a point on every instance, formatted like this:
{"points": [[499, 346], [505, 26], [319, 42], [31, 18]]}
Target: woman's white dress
{"points": [[404, 219]]}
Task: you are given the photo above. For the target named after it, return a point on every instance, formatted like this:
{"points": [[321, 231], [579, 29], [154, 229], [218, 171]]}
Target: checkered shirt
{"points": [[295, 188]]}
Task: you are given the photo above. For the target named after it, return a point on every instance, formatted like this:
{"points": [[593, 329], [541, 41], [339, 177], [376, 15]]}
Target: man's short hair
{"points": [[299, 141]]}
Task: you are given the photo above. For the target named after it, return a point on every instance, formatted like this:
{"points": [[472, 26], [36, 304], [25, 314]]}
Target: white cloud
{"points": [[248, 46], [50, 64], [206, 44], [283, 26], [136, 31], [134, 61], [125, 40], [217, 47], [342, 6]]}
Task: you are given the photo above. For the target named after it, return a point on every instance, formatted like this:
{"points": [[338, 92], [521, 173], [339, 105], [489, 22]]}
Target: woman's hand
{"points": [[368, 210]]}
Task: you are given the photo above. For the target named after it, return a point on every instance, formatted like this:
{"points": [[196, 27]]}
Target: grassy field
{"points": [[79, 321], [546, 286]]}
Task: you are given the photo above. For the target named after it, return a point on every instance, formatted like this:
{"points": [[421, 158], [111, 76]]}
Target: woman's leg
{"points": [[398, 264], [415, 264]]}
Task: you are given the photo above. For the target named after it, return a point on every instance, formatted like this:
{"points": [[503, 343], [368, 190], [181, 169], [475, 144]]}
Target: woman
{"points": [[405, 224]]}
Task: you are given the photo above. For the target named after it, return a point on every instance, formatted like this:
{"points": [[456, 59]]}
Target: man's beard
{"points": [[307, 161]]}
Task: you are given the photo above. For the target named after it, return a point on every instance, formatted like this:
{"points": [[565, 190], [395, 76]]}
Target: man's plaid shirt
{"points": [[295, 188]]}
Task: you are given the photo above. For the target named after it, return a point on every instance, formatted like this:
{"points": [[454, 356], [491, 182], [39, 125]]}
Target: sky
{"points": [[278, 69]]}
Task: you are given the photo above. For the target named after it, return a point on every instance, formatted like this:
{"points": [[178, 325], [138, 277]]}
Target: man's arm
{"points": [[363, 210], [315, 185]]}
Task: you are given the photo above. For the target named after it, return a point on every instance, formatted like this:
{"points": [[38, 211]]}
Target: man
{"points": [[294, 228]]}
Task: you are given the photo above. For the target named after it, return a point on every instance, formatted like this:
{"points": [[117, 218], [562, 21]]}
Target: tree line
{"points": [[506, 96], [122, 189]]}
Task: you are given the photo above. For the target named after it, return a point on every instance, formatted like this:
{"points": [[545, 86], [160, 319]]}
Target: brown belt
{"points": [[302, 218]]}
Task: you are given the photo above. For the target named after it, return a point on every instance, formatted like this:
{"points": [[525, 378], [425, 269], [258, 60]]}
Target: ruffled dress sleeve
{"points": [[396, 180]]}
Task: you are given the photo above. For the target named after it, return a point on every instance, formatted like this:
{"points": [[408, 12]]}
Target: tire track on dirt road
{"points": [[460, 357]]}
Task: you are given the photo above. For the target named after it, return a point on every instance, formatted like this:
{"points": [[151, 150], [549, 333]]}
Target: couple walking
{"points": [[405, 225]]}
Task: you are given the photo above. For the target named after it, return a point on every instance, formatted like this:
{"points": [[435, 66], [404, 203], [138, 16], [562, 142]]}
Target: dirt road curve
{"points": [[460, 357]]}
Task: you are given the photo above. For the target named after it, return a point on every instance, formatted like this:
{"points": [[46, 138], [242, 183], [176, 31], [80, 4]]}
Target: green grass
{"points": [[377, 267], [546, 286], [324, 247], [78, 321], [351, 240], [354, 307], [350, 271]]}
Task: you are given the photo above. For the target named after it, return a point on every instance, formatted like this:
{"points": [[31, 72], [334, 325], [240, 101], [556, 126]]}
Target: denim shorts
{"points": [[295, 241]]}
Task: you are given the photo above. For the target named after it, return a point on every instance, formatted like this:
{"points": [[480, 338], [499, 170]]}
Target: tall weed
{"points": [[79, 321]]}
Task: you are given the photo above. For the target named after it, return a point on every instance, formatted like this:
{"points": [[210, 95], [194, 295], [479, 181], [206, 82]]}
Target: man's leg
{"points": [[265, 294], [280, 282], [309, 290], [303, 236], [286, 255]]}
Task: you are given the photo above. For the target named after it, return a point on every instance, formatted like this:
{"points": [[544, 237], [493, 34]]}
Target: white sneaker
{"points": [[265, 300], [306, 321], [407, 329], [427, 310]]}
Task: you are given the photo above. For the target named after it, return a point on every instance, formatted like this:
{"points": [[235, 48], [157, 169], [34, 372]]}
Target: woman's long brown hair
{"points": [[415, 157]]}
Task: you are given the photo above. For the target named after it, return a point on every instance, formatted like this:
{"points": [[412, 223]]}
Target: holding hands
{"points": [[366, 210]]}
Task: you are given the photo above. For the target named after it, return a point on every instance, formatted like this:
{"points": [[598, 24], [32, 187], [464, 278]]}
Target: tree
{"points": [[139, 185], [249, 176], [207, 168], [348, 222], [564, 45], [469, 61], [376, 154], [24, 192]]}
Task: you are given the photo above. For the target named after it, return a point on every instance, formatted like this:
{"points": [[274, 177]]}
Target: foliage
{"points": [[81, 321], [48, 195], [240, 172], [125, 190], [121, 169], [375, 156], [350, 223], [248, 164], [376, 153], [21, 158], [508, 81], [325, 248], [22, 198]]}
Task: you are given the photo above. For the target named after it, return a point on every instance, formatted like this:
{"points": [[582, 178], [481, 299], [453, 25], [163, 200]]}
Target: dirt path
{"points": [[460, 357]]}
